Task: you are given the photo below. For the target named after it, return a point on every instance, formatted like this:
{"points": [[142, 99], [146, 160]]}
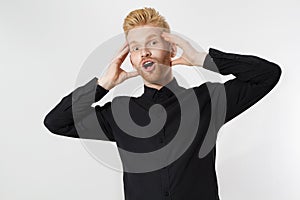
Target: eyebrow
{"points": [[150, 36]]}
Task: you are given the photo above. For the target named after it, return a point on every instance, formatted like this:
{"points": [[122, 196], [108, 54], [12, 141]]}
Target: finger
{"points": [[178, 61], [121, 50], [175, 62], [175, 39], [123, 47], [171, 38], [122, 55], [132, 74], [124, 52]]}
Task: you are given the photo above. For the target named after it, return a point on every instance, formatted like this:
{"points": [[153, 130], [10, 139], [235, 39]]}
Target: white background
{"points": [[43, 45]]}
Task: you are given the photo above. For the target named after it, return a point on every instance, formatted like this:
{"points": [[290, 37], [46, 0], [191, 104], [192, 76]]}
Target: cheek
{"points": [[164, 55], [131, 59], [133, 56]]}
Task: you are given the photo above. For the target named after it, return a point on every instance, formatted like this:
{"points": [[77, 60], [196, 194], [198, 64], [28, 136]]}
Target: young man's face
{"points": [[146, 44]]}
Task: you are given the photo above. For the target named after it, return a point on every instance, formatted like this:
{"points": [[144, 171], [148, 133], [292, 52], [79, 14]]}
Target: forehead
{"points": [[139, 34]]}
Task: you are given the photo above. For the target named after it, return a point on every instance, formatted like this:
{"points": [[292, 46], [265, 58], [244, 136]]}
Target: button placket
{"points": [[165, 175], [162, 137], [157, 95], [161, 140], [166, 183], [167, 193]]}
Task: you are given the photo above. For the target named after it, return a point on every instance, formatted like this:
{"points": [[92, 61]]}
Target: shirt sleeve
{"points": [[254, 78], [75, 117]]}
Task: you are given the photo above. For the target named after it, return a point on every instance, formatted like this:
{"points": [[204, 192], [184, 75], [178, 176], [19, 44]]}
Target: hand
{"points": [[114, 75], [190, 55]]}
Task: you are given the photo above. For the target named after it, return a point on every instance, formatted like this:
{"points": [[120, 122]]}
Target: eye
{"points": [[135, 48], [154, 42]]}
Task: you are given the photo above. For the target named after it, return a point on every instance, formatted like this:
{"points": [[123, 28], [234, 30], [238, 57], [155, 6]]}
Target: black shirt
{"points": [[183, 171]]}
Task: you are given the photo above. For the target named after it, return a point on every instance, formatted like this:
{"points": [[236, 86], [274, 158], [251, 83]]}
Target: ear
{"points": [[173, 49]]}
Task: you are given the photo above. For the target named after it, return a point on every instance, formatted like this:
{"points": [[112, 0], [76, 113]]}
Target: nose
{"points": [[145, 52]]}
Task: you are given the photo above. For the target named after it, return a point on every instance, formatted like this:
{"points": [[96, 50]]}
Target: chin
{"points": [[154, 81], [151, 80]]}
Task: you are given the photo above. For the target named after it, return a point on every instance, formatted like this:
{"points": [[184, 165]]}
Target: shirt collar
{"points": [[166, 89]]}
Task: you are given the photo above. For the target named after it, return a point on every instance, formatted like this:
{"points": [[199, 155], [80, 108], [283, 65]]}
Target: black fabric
{"points": [[189, 177]]}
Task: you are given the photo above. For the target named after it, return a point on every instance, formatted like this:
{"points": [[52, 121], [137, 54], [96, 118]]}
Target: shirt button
{"points": [[167, 193], [161, 140]]}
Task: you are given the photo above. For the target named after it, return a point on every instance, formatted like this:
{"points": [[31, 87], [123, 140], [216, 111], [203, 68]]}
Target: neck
{"points": [[159, 85]]}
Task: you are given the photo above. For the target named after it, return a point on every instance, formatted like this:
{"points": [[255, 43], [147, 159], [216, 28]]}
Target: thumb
{"points": [[132, 74], [176, 61]]}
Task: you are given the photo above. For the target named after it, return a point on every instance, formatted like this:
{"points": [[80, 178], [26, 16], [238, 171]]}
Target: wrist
{"points": [[199, 59], [104, 83]]}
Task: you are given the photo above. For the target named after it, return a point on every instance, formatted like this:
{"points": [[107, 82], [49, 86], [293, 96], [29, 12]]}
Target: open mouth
{"points": [[148, 66]]}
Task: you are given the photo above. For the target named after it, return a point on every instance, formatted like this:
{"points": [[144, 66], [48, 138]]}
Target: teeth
{"points": [[148, 64]]}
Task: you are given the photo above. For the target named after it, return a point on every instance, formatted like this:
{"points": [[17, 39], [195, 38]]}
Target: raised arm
{"points": [[254, 78], [74, 116]]}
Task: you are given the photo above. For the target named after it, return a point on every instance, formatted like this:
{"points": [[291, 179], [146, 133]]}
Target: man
{"points": [[139, 126]]}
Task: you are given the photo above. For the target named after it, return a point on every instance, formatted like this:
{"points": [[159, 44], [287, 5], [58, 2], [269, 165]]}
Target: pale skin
{"points": [[162, 74]]}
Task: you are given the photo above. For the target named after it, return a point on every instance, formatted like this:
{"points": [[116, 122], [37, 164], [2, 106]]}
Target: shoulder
{"points": [[208, 86]]}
